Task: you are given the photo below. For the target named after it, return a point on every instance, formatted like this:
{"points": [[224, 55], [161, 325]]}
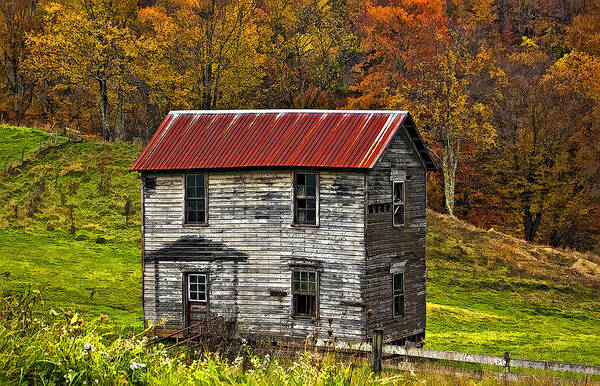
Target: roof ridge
{"points": [[279, 111]]}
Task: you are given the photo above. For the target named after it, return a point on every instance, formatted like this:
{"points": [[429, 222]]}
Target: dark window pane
{"points": [[200, 191], [399, 305], [193, 296], [193, 287], [300, 179], [311, 179], [201, 216], [311, 204], [189, 180], [190, 192], [191, 216], [399, 214], [202, 296], [311, 191], [201, 279], [301, 203], [398, 283], [310, 216], [200, 180], [193, 279], [399, 191], [296, 275], [305, 305], [300, 190]]}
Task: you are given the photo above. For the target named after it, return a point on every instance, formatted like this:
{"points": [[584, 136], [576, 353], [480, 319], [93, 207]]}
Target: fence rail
{"points": [[506, 361]]}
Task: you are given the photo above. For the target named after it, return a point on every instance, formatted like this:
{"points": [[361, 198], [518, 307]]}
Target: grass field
{"points": [[487, 292]]}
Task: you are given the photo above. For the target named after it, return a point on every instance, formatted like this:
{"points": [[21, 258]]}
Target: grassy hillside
{"points": [[63, 227], [490, 293], [487, 292], [19, 143]]}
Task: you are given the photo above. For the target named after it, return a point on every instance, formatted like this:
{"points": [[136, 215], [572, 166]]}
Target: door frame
{"points": [[186, 290]]}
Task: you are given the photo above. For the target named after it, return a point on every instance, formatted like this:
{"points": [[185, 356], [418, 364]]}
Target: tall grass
{"points": [[63, 348]]}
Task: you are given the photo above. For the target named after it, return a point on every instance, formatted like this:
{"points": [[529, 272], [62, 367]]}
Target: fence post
{"points": [[506, 363], [377, 346]]}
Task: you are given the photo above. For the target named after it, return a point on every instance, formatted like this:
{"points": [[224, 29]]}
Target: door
{"points": [[197, 297]]}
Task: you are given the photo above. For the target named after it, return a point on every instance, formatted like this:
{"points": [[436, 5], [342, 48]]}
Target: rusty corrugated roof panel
{"points": [[274, 138]]}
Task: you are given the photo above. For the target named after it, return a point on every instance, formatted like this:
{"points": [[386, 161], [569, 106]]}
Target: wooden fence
{"points": [[506, 361]]}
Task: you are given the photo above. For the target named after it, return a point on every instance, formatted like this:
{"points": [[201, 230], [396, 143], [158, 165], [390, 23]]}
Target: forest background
{"points": [[505, 92]]}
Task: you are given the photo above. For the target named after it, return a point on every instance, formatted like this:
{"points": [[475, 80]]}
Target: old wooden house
{"points": [[287, 222]]}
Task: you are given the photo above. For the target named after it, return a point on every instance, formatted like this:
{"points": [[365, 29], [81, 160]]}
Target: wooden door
{"points": [[197, 297]]}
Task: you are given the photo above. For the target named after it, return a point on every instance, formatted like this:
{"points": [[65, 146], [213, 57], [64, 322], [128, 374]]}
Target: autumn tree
{"points": [[309, 47], [83, 42], [414, 62], [207, 51], [395, 37], [544, 150], [17, 18]]}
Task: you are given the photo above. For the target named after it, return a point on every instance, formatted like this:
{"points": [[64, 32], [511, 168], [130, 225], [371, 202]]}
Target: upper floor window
{"points": [[195, 199], [398, 203], [305, 198], [398, 294]]}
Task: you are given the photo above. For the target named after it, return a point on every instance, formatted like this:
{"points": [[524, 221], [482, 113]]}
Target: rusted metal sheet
{"points": [[271, 138]]}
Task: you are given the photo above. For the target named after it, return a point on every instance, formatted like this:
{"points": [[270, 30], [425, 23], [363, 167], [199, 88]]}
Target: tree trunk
{"points": [[449, 165], [118, 134], [104, 109], [531, 225]]}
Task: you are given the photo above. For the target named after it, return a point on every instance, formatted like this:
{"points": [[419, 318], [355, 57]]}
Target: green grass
{"points": [[79, 275], [19, 142], [96, 252], [487, 293]]}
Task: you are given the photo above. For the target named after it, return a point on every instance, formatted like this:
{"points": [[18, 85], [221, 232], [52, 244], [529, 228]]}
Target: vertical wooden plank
{"points": [[377, 347]]}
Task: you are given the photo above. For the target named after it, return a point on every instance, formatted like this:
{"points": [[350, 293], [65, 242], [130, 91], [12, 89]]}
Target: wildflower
{"points": [[238, 361], [136, 365], [87, 346]]}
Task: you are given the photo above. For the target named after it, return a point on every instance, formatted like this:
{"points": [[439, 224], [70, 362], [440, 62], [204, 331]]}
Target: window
{"points": [[195, 199], [398, 295], [304, 293], [398, 203], [305, 198], [379, 208], [197, 287]]}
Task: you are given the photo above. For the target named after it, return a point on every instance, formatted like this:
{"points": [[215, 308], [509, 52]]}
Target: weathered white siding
{"points": [[387, 245], [250, 246]]}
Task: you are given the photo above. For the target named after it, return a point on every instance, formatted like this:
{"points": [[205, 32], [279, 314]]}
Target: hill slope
{"points": [[487, 292]]}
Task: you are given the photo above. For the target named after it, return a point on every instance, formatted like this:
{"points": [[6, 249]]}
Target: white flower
{"points": [[87, 346], [136, 365]]}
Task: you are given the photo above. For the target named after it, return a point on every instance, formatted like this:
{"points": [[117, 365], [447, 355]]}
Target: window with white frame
{"points": [[398, 202], [197, 287], [398, 294], [195, 199]]}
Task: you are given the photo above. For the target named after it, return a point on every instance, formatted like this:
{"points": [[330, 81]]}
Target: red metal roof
{"points": [[273, 138]]}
